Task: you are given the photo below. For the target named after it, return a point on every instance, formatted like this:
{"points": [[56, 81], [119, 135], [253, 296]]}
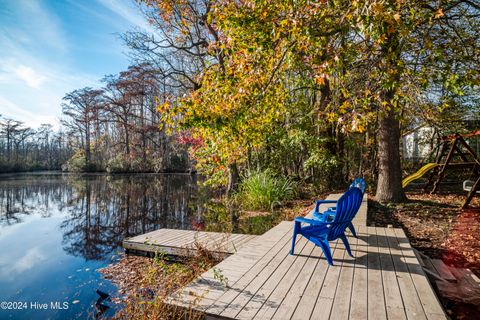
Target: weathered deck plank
{"points": [[411, 301], [308, 300], [183, 242], [341, 302], [376, 299], [430, 303], [359, 296], [393, 297]]}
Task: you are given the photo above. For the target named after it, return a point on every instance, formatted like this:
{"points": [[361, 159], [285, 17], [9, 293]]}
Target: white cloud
{"points": [[31, 77], [129, 11], [32, 90], [11, 110], [26, 262], [37, 63]]}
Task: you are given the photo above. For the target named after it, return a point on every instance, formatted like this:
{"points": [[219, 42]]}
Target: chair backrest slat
{"points": [[347, 207]]}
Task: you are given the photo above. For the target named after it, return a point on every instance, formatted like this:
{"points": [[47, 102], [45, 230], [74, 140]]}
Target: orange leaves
{"points": [[397, 17], [320, 79], [439, 13], [377, 8]]}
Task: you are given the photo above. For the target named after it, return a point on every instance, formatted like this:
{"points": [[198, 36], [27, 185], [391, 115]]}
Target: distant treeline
{"points": [[26, 149], [116, 128]]}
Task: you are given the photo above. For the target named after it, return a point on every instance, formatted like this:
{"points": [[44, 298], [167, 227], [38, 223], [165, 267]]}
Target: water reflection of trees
{"points": [[105, 210], [21, 196], [101, 210]]}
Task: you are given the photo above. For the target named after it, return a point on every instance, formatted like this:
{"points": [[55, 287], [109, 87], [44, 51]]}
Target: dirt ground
{"points": [[437, 226]]}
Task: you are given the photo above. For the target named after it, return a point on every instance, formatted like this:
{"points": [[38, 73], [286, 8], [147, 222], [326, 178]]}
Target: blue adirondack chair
{"points": [[321, 232], [328, 215]]}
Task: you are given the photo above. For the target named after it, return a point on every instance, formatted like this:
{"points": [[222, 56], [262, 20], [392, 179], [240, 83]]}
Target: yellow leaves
{"points": [[331, 117], [428, 43], [359, 127], [392, 71], [439, 13], [163, 107], [345, 106]]}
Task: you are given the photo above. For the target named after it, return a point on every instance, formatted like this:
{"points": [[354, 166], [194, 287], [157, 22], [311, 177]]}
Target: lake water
{"points": [[57, 229]]}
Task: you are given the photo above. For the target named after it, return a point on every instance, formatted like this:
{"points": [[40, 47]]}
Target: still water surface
{"points": [[57, 229]]}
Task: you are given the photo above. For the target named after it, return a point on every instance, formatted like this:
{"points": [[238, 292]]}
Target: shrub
{"points": [[118, 164], [261, 190], [78, 163]]}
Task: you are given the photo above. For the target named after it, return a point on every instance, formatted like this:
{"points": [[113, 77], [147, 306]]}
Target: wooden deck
{"points": [[262, 281], [184, 242]]}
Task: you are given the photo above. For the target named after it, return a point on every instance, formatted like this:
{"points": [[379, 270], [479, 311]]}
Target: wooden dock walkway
{"points": [[263, 281], [184, 242]]}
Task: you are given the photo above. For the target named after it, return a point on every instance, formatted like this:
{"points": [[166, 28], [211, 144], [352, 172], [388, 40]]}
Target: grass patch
{"points": [[262, 190]]}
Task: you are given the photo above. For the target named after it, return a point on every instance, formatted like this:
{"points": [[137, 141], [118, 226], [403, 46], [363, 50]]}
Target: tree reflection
{"points": [[100, 211], [24, 195]]}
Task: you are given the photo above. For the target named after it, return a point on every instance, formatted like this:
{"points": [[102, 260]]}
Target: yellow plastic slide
{"points": [[419, 173]]}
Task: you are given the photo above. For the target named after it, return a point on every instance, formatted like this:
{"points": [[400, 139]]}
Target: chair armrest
{"points": [[319, 202]]}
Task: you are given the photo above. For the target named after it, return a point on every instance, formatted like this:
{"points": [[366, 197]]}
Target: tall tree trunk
{"points": [[389, 185], [88, 154], [8, 145], [127, 139], [233, 178]]}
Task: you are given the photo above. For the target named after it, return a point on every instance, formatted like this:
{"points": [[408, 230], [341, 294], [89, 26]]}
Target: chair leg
{"points": [[326, 251], [352, 229], [347, 245], [296, 230]]}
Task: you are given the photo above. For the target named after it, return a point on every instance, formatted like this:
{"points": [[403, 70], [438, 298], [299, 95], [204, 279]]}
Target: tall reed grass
{"points": [[262, 190]]}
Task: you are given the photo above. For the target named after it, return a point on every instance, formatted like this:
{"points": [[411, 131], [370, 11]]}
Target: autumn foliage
{"points": [[278, 70]]}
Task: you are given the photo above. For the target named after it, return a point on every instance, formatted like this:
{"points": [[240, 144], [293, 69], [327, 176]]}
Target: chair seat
{"points": [[320, 232], [326, 216]]}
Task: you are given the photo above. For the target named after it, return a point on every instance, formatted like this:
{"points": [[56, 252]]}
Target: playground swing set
{"points": [[453, 153]]}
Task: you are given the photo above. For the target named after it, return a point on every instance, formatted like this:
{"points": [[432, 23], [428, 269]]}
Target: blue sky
{"points": [[51, 47]]}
